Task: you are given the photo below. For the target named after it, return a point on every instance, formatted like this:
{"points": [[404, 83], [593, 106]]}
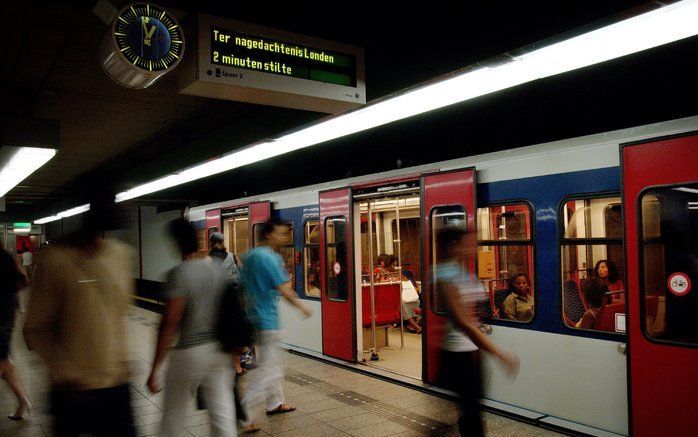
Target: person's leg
{"points": [[256, 389], [218, 395], [115, 418], [275, 371], [69, 410], [11, 375], [470, 390], [184, 375]]}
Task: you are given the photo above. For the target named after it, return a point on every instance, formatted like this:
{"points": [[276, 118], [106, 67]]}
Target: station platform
{"points": [[330, 400]]}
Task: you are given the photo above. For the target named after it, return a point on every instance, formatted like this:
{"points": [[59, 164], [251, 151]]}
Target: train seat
{"points": [[573, 305], [387, 304], [606, 319]]}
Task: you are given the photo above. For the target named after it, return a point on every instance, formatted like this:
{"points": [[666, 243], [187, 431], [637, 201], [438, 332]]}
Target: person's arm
{"points": [[174, 308], [587, 321], [290, 295], [464, 318]]}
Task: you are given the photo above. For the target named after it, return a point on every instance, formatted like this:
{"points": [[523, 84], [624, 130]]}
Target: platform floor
{"points": [[330, 400]]}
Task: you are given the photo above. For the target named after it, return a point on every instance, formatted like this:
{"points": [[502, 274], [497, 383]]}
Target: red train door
{"points": [[259, 212], [660, 197], [337, 273], [448, 199]]}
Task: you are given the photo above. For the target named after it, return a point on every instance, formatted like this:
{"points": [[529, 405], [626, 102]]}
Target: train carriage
{"points": [[552, 211]]}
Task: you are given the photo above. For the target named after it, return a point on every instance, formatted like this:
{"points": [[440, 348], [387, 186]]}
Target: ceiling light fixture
{"points": [[63, 214], [25, 162], [657, 27]]}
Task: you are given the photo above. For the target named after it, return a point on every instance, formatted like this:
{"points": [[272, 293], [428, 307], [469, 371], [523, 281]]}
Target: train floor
{"points": [[330, 401]]}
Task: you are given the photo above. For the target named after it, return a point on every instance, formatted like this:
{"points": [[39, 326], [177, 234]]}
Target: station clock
{"points": [[143, 43]]}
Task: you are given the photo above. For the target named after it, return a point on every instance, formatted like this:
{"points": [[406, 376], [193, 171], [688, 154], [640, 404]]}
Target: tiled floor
{"points": [[330, 401]]}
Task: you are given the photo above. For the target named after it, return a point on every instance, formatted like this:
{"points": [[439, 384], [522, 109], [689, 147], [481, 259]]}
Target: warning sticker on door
{"points": [[679, 283], [337, 268]]}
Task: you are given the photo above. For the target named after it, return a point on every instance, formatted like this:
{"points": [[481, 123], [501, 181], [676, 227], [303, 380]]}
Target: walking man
{"points": [[266, 280]]}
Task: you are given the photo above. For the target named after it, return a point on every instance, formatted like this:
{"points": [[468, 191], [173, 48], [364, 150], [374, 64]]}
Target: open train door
{"points": [[660, 194], [448, 199], [336, 265], [259, 212]]}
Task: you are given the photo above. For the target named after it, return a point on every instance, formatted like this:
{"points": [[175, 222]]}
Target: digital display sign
{"points": [[252, 52], [256, 64]]}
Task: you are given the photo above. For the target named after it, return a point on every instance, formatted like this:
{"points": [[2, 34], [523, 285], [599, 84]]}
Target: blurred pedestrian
{"points": [[11, 281], [193, 293], [460, 359], [265, 279], [80, 297]]}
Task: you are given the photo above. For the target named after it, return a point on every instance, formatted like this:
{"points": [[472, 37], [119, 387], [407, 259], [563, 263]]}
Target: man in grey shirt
{"points": [[194, 290]]}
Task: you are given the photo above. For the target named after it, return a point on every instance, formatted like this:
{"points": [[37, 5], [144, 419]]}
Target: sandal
{"points": [[283, 408], [251, 428]]}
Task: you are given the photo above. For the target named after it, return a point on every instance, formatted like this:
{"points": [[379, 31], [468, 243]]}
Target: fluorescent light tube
{"points": [[48, 219], [657, 27], [25, 162], [63, 214]]}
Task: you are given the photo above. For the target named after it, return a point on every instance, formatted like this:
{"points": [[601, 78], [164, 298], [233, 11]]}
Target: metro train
{"points": [[552, 211]]}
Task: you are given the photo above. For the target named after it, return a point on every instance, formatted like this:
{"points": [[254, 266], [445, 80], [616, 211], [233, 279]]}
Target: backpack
{"points": [[233, 328]]}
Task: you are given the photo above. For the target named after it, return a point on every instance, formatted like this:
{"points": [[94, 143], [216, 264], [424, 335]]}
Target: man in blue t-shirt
{"points": [[266, 280]]}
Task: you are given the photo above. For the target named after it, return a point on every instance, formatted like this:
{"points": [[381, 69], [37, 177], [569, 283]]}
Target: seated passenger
{"points": [[381, 261], [594, 291], [312, 282], [606, 271], [519, 304]]}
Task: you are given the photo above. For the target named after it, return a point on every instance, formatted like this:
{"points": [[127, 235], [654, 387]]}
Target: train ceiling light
{"points": [[666, 24], [63, 214], [24, 162], [142, 44]]}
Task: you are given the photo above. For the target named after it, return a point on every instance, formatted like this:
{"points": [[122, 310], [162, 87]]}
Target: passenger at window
{"points": [[594, 291], [606, 271], [519, 304], [313, 281]]}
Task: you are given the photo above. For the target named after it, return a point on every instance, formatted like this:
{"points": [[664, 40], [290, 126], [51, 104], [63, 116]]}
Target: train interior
{"points": [[236, 230], [592, 246], [389, 255]]}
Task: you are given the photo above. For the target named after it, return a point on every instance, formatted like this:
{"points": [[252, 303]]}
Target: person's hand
{"points": [[154, 382], [307, 312], [510, 363]]}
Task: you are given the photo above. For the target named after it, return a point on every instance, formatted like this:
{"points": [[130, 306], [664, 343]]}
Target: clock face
{"points": [[149, 37]]}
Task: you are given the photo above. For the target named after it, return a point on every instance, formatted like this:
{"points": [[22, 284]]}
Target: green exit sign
{"points": [[22, 225]]}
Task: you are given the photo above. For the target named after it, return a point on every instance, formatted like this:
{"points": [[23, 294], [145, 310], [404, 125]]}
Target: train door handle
{"points": [[622, 348], [487, 329]]}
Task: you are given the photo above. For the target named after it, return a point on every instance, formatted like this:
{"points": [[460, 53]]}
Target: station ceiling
{"points": [[117, 137]]}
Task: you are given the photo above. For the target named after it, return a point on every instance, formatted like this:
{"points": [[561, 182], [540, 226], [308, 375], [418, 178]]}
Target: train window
{"points": [[410, 247], [286, 250], [592, 264], [336, 258], [669, 263], [311, 258], [505, 254], [442, 217], [257, 236], [211, 230]]}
